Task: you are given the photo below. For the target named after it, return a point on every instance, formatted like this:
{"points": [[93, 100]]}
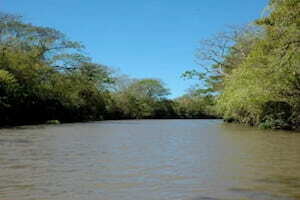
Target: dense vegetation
{"points": [[254, 71], [44, 76], [249, 74]]}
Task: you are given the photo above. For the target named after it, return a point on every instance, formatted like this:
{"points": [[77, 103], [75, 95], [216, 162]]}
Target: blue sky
{"points": [[142, 38]]}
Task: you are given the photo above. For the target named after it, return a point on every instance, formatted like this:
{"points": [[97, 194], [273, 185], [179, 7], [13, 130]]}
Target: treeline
{"points": [[254, 71], [44, 76]]}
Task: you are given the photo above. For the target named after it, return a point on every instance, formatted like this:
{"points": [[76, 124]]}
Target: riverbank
{"points": [[55, 122]]}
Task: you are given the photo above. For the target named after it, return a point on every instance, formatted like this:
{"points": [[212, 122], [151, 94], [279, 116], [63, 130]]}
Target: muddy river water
{"points": [[148, 160]]}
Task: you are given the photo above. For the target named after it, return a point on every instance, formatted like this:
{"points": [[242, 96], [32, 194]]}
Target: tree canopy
{"points": [[255, 71], [45, 76]]}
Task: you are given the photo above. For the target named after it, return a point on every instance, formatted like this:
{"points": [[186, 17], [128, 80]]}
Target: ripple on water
{"points": [[148, 160]]}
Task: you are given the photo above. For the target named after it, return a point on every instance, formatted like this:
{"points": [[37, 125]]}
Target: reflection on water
{"points": [[149, 160]]}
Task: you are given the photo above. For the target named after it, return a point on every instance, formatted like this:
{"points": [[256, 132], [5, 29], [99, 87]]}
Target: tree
{"points": [[269, 75], [45, 74], [141, 98], [149, 88], [220, 54]]}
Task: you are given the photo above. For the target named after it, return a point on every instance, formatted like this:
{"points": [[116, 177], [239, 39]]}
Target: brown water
{"points": [[148, 160]]}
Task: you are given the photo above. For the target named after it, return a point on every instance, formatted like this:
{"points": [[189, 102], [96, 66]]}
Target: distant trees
{"points": [[149, 89], [141, 98], [196, 103], [46, 77]]}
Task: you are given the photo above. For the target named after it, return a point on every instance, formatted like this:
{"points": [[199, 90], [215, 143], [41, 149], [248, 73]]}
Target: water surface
{"points": [[148, 160]]}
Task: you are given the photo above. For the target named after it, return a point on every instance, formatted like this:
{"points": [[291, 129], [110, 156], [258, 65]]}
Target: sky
{"points": [[141, 38]]}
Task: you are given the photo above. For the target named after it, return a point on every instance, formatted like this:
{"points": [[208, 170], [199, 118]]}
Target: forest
{"points": [[247, 74], [46, 78]]}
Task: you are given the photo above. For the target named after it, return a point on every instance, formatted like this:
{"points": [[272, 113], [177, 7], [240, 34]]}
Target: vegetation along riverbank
{"points": [[44, 77], [255, 70], [248, 74]]}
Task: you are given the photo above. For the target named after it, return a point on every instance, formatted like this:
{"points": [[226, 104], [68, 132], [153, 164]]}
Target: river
{"points": [[148, 160]]}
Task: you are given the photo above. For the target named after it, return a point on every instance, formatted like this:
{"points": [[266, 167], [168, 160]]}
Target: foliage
{"points": [[46, 78], [34, 88], [196, 104], [258, 74], [145, 98]]}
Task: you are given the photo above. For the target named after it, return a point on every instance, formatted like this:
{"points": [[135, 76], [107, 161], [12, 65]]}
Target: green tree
{"points": [[141, 98], [268, 77]]}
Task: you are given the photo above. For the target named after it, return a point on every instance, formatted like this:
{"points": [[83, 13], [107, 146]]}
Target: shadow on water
{"points": [[236, 127], [14, 141], [205, 198], [289, 184], [292, 182], [253, 194], [248, 194]]}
